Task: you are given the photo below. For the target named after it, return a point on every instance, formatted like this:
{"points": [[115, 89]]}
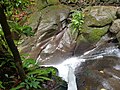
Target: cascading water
{"points": [[66, 69]]}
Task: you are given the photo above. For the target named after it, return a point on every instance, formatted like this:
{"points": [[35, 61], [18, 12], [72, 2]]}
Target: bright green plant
{"points": [[16, 27], [35, 75], [31, 82], [28, 63], [77, 21]]}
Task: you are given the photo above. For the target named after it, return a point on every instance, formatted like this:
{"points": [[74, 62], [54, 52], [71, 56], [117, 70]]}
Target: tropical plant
{"points": [[19, 29], [35, 75], [31, 82], [77, 21]]}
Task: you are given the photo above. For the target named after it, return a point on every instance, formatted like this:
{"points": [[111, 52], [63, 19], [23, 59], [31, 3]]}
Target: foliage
{"points": [[28, 63], [77, 21], [35, 75], [29, 83], [12, 6], [16, 27]]}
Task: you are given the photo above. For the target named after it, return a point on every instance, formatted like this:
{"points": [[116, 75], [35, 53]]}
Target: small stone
{"points": [[101, 72], [103, 89]]}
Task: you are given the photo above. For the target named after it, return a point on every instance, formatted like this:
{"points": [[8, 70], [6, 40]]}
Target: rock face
{"points": [[115, 29], [53, 40], [104, 74], [52, 37], [100, 15], [96, 24]]}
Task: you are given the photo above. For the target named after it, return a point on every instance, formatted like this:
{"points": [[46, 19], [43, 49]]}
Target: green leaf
{"points": [[44, 78], [17, 88]]}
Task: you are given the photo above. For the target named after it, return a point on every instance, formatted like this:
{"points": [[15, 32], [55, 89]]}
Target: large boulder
{"points": [[52, 40], [99, 15], [89, 38], [99, 74]]}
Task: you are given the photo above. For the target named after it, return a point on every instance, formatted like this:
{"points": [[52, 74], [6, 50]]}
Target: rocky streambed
{"points": [[53, 42]]}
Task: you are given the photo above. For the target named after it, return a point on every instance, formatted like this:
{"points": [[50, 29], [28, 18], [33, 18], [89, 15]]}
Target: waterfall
{"points": [[71, 79], [67, 67], [66, 71]]}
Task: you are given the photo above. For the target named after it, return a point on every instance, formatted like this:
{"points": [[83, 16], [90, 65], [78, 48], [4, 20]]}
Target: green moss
{"points": [[96, 33], [53, 1]]}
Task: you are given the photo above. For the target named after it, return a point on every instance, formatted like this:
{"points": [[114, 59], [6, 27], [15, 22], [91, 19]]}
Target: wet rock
{"points": [[52, 39], [115, 28], [101, 72], [99, 15]]}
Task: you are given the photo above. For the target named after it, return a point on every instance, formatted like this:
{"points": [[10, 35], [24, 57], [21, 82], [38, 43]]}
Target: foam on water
{"points": [[63, 68]]}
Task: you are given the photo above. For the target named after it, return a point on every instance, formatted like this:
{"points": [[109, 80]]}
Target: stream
{"points": [[70, 68]]}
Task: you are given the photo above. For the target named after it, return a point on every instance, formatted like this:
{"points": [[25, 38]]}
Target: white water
{"points": [[66, 71], [67, 67]]}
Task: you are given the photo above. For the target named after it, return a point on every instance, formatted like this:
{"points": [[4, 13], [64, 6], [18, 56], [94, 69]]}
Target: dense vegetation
{"points": [[17, 72]]}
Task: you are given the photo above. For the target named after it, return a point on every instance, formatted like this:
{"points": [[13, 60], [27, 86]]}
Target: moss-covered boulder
{"points": [[94, 34], [99, 15], [44, 3], [88, 38]]}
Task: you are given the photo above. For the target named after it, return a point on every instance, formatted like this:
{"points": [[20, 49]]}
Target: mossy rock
{"points": [[55, 13], [41, 4], [94, 34], [99, 15], [52, 2]]}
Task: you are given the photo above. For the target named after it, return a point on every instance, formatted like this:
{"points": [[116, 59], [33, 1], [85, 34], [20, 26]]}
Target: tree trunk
{"points": [[11, 44]]}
